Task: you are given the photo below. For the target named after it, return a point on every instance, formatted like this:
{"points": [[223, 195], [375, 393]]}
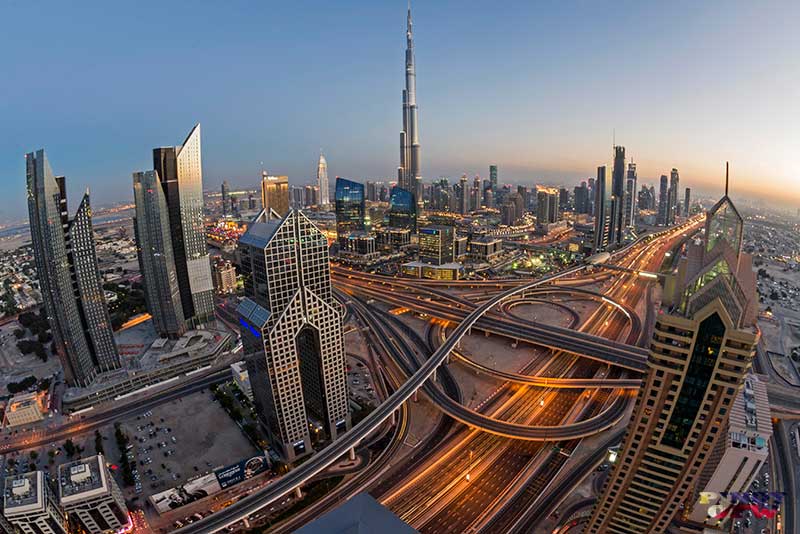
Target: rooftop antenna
{"points": [[726, 178], [613, 137]]}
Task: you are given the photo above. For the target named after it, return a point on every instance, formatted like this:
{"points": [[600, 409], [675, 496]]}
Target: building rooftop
{"points": [[82, 479], [24, 493], [360, 515], [259, 234]]}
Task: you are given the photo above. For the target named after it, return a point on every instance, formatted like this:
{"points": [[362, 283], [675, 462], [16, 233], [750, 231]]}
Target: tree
{"points": [[70, 448], [98, 442], [34, 455], [19, 333]]}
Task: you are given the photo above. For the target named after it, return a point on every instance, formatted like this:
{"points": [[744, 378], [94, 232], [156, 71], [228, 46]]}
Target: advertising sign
{"points": [[239, 472]]}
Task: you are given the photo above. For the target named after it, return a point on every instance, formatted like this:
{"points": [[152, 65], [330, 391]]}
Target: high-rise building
{"points": [[563, 199], [181, 173], [581, 199], [291, 328], [701, 348], [69, 281], [402, 209], [311, 197], [408, 174], [618, 197], [493, 177], [547, 205], [673, 207], [508, 213], [156, 258], [687, 201], [275, 194], [226, 191], [631, 208], [602, 209], [663, 202], [436, 244], [29, 505], [742, 450], [322, 184], [89, 493], [350, 208], [463, 195]]}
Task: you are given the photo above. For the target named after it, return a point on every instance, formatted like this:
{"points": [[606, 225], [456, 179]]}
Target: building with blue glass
{"points": [[350, 212], [403, 209]]}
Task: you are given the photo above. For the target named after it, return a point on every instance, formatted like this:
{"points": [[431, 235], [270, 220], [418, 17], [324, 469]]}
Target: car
{"points": [[174, 439]]}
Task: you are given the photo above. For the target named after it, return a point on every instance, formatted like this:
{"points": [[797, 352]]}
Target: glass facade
{"points": [[695, 383], [724, 223], [350, 212], [402, 209]]}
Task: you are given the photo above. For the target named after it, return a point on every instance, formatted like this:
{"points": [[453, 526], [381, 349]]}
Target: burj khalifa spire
{"points": [[408, 175]]}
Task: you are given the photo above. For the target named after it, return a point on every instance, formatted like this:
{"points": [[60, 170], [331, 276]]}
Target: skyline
{"points": [[550, 94]]}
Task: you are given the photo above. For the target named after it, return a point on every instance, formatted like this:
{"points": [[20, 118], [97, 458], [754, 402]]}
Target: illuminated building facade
{"points": [[436, 244], [350, 208], [291, 330], [403, 209], [323, 192], [275, 194], [66, 265]]}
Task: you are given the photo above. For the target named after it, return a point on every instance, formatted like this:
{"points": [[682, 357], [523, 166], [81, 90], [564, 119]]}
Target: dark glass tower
{"points": [[402, 209], [350, 212], [156, 259], [180, 171], [618, 197], [66, 264], [602, 209]]}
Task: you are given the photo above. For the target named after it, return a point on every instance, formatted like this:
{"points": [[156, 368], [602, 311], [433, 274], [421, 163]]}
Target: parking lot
{"points": [[166, 448], [359, 382]]}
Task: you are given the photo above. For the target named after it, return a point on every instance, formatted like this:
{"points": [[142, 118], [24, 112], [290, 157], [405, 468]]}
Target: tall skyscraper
{"points": [[547, 205], [687, 201], [226, 191], [275, 194], [493, 177], [156, 259], [663, 202], [631, 208], [408, 174], [66, 264], [602, 209], [292, 333], [463, 195], [700, 351], [181, 173], [618, 197], [350, 212], [322, 183], [672, 200], [402, 209], [581, 196]]}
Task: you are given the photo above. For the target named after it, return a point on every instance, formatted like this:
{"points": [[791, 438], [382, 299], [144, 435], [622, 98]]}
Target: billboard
{"points": [[239, 472], [191, 491]]}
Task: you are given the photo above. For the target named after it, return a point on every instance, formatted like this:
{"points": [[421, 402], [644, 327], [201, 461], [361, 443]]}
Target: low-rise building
{"points": [[242, 378], [88, 491], [485, 249], [24, 409], [392, 239], [29, 505], [446, 271], [224, 276]]}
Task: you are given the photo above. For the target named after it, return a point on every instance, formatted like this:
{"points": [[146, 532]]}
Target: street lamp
{"points": [[469, 466]]}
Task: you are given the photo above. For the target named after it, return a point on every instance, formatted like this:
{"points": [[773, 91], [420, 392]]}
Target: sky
{"points": [[541, 89]]}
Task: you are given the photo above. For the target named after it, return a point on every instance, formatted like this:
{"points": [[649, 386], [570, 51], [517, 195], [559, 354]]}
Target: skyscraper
{"points": [[322, 183], [156, 259], [581, 195], [631, 208], [275, 194], [663, 202], [493, 178], [618, 197], [350, 212], [602, 209], [436, 244], [408, 174], [89, 493], [181, 173], [402, 209], [292, 333], [687, 201], [66, 264], [463, 195], [700, 351], [226, 191], [29, 504], [672, 201], [547, 205]]}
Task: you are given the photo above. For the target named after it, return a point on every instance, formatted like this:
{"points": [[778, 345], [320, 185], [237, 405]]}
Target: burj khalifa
{"points": [[408, 176]]}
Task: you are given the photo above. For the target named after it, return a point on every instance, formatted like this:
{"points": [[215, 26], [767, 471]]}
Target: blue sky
{"points": [[536, 87]]}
